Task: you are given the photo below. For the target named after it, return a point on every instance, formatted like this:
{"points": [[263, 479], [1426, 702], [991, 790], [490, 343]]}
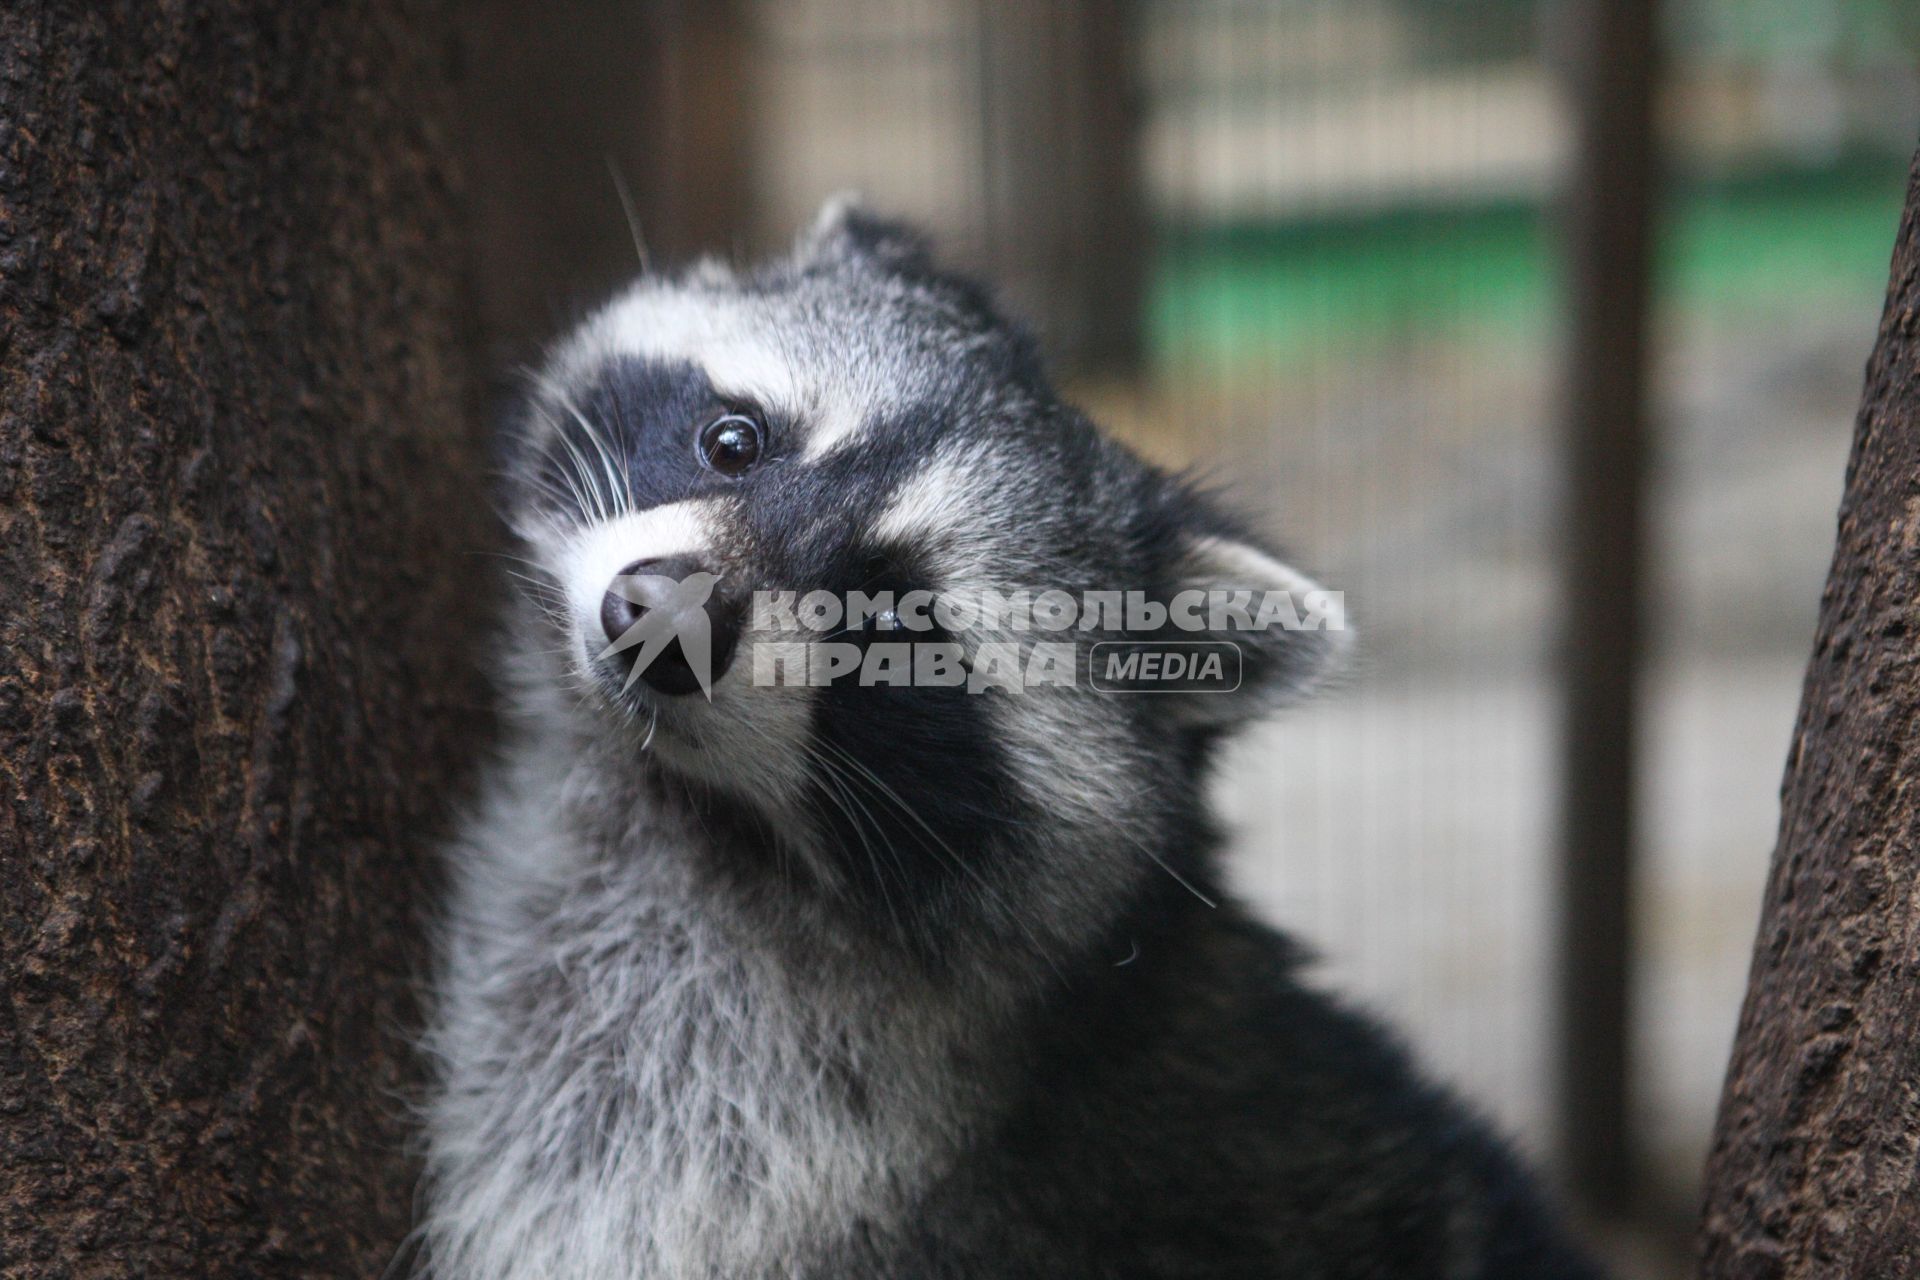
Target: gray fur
{"points": [[787, 984]]}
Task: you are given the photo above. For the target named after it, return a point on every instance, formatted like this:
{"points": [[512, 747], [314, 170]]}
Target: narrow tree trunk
{"points": [[1608, 237], [1814, 1166], [236, 463]]}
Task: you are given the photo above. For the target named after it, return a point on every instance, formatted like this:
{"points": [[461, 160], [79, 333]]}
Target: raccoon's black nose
{"points": [[686, 587]]}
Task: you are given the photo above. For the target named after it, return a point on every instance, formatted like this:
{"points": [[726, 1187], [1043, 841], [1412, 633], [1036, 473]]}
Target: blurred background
{"points": [[1535, 325]]}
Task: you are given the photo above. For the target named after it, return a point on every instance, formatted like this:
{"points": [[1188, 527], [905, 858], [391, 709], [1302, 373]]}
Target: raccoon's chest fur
{"points": [[632, 1086]]}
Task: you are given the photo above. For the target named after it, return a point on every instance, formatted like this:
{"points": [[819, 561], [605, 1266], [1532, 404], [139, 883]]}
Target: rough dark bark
{"points": [[237, 478], [1814, 1167]]}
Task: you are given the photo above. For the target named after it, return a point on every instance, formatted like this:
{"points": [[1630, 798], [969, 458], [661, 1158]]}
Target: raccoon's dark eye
{"points": [[730, 444]]}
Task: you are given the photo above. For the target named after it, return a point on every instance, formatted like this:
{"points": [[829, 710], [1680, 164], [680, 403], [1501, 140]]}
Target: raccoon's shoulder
{"points": [[1204, 1105]]}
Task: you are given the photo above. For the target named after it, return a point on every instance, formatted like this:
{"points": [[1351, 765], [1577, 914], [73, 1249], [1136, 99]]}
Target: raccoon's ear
{"points": [[1290, 633], [847, 231]]}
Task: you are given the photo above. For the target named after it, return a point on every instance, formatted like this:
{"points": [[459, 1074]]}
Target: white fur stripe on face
{"points": [[837, 426], [946, 505], [601, 551], [732, 344]]}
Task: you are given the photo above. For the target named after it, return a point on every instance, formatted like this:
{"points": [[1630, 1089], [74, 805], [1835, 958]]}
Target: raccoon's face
{"points": [[786, 521]]}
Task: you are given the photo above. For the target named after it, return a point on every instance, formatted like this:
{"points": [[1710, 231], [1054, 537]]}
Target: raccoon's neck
{"points": [[650, 1070]]}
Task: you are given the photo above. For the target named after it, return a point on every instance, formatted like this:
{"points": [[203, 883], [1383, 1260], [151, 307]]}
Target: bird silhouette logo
{"points": [[673, 609]]}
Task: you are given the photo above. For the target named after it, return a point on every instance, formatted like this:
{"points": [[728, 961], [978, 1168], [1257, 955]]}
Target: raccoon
{"points": [[851, 979]]}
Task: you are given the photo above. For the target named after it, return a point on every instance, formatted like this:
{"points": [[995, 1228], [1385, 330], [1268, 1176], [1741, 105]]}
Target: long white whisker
{"points": [[1178, 879], [622, 491], [843, 799], [633, 214], [586, 477], [571, 474], [941, 848]]}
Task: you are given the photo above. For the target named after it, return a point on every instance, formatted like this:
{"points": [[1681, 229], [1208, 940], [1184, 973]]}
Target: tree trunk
{"points": [[237, 472], [1610, 62], [1814, 1168]]}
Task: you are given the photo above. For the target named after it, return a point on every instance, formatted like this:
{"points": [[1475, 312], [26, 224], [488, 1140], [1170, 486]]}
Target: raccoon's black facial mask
{"points": [[713, 451]]}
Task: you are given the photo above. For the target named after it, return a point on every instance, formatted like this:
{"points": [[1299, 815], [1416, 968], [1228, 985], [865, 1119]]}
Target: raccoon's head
{"points": [[821, 546]]}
